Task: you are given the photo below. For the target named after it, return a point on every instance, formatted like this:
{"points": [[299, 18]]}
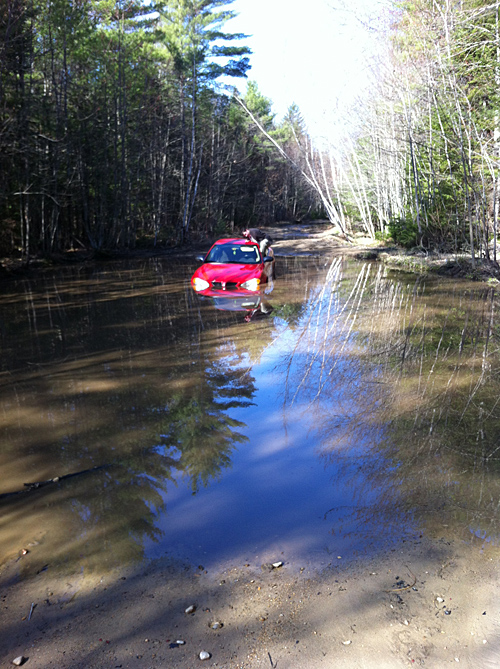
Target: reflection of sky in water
{"points": [[278, 499], [483, 535], [370, 438]]}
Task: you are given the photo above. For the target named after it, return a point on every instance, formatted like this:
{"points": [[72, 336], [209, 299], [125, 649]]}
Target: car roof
{"points": [[233, 240]]}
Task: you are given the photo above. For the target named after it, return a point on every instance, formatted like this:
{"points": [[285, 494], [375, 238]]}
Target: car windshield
{"points": [[234, 253]]}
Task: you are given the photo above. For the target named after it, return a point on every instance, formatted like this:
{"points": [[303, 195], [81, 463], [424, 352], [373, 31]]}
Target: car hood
{"points": [[228, 272]]}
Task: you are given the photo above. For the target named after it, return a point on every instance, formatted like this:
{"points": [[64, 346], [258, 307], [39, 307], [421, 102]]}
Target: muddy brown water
{"points": [[342, 410]]}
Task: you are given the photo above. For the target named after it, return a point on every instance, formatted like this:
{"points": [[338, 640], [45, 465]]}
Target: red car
{"points": [[233, 265]]}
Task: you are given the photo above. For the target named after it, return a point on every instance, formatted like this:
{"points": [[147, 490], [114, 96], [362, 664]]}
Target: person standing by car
{"points": [[259, 237]]}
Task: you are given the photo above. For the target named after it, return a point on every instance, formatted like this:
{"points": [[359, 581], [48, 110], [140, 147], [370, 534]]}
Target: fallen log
{"points": [[30, 487]]}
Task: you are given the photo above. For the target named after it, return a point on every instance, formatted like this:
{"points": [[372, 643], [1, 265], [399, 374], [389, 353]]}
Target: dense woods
{"points": [[427, 150], [115, 130], [118, 129]]}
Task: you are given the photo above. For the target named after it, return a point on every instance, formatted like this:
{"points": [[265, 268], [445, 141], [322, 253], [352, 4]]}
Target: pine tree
{"points": [[189, 32]]}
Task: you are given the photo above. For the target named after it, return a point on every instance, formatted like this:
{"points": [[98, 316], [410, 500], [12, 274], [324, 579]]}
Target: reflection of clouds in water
{"points": [[274, 429], [371, 362], [187, 514]]}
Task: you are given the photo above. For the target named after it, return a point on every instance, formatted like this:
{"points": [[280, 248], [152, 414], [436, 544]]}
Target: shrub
{"points": [[404, 232]]}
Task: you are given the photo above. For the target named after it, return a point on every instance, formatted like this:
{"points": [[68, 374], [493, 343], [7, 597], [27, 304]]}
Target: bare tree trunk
{"points": [[309, 175], [188, 200]]}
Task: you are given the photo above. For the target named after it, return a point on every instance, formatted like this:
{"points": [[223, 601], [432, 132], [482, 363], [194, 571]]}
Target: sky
{"points": [[310, 52]]}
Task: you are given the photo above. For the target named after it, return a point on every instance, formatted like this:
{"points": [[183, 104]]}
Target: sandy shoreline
{"points": [[424, 603]]}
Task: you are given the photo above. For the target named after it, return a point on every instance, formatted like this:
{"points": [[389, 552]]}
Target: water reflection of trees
{"points": [[403, 378], [200, 428], [109, 365]]}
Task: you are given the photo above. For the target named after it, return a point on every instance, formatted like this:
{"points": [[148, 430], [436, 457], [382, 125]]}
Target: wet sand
{"points": [[425, 603], [428, 602]]}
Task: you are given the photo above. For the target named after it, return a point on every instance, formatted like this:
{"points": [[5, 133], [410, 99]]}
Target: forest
{"points": [[121, 128]]}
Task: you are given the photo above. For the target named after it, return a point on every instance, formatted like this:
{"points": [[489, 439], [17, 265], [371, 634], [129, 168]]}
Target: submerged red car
{"points": [[233, 265]]}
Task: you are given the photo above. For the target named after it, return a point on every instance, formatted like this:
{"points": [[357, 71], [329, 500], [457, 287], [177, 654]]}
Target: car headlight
{"points": [[251, 284], [200, 284]]}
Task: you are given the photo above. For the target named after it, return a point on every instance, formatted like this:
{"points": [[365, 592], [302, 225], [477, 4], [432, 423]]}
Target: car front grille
{"points": [[228, 285]]}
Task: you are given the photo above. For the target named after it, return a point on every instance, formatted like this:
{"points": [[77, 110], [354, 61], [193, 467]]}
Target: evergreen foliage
{"points": [[115, 133]]}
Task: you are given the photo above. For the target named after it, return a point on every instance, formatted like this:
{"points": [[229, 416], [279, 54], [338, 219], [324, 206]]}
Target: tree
{"points": [[429, 149], [190, 33], [116, 131]]}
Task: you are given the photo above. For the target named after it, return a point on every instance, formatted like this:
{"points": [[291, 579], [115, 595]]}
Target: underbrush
{"points": [[459, 266]]}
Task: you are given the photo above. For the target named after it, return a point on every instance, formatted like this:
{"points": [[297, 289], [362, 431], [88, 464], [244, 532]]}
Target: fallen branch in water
{"points": [[30, 487]]}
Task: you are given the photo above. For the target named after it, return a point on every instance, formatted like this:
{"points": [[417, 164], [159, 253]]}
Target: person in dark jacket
{"points": [[259, 237]]}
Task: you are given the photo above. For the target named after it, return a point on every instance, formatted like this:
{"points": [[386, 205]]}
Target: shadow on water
{"points": [[410, 371], [357, 407], [106, 367]]}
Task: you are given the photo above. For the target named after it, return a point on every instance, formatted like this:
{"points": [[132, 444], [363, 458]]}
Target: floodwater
{"points": [[343, 411]]}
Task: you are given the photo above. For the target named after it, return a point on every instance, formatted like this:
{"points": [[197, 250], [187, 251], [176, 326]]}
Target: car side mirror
{"points": [[268, 258], [200, 258]]}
